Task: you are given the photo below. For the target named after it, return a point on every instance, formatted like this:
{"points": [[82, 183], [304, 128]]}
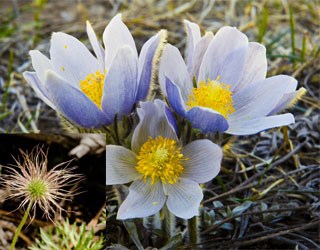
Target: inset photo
{"points": [[52, 191]]}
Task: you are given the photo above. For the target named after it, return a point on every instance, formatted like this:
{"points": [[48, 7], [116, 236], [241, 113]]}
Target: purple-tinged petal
{"points": [[120, 84], [33, 80], [143, 200], [146, 63], [253, 126], [72, 103], [204, 161], [175, 98], [226, 41], [184, 198], [120, 165], [231, 69], [207, 120], [40, 63], [115, 36], [173, 67], [154, 122], [171, 119], [259, 98], [71, 59], [288, 100], [193, 37], [96, 45], [255, 66], [198, 54]]}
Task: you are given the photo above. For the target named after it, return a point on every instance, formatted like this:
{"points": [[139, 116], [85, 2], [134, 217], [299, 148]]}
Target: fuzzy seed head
{"points": [[30, 181]]}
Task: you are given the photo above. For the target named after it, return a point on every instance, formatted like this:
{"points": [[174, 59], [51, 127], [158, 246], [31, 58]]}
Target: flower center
{"points": [[92, 86], [212, 94], [37, 189], [160, 158]]}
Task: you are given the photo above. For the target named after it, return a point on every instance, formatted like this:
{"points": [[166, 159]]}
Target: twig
{"points": [[240, 242], [213, 227], [270, 236]]}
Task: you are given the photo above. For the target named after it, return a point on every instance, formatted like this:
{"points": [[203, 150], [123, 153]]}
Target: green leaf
{"points": [[241, 209], [133, 233], [173, 242], [262, 23]]}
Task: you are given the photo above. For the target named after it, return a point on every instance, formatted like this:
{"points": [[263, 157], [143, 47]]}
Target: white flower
{"points": [[161, 169], [223, 87]]}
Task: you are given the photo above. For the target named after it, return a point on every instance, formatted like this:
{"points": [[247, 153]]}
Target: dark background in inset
{"points": [[84, 206]]}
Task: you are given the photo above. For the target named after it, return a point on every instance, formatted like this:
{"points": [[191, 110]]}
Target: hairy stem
{"points": [[193, 230], [168, 223], [22, 222]]}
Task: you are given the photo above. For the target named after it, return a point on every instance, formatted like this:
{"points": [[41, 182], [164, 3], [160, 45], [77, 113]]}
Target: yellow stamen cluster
{"points": [[160, 158], [212, 94], [92, 87]]}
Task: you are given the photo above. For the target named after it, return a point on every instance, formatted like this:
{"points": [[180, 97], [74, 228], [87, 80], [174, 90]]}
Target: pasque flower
{"points": [[31, 181], [90, 90], [225, 89], [160, 168]]}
